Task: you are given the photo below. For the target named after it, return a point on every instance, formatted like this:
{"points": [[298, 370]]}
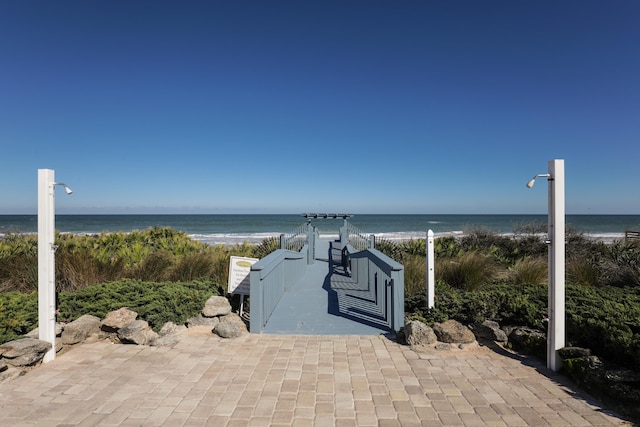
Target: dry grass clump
{"points": [[469, 271], [156, 255], [529, 271]]}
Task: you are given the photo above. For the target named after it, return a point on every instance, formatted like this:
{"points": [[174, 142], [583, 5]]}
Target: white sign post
{"points": [[239, 283], [431, 281]]}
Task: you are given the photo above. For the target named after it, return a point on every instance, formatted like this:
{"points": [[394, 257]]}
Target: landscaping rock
{"points": [[417, 333], [171, 328], [619, 387], [453, 331], [216, 306], [444, 346], [81, 328], [35, 333], [573, 352], [203, 321], [24, 352], [3, 365], [489, 330], [165, 341], [529, 341], [118, 319], [137, 332], [230, 326]]}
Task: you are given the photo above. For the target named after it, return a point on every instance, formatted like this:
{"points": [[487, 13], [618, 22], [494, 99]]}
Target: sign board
{"points": [[239, 269]]}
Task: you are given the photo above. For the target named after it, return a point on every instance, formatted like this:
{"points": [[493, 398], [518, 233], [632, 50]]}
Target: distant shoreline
{"points": [[232, 239], [224, 229]]}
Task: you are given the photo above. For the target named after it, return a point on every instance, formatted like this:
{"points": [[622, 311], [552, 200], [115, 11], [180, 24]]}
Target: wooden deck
{"points": [[326, 302]]}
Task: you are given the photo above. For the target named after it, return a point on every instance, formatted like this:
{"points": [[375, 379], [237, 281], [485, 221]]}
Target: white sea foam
{"points": [[231, 239]]}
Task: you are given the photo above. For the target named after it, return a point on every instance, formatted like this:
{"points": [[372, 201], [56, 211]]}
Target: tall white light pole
{"points": [[46, 260], [556, 330]]}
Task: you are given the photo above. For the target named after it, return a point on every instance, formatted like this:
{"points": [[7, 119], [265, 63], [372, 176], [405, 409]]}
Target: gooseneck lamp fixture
{"points": [[46, 259], [556, 326]]}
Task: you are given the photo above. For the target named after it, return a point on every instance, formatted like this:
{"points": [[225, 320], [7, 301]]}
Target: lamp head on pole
{"points": [[533, 180]]}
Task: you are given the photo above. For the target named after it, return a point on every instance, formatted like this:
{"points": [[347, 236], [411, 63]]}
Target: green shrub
{"points": [[603, 319], [507, 305], [157, 303], [415, 247], [620, 265], [606, 320], [446, 247], [18, 314]]}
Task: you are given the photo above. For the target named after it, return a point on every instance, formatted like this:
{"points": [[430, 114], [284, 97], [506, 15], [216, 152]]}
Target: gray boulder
{"points": [[118, 319], [529, 341], [489, 330], [453, 331], [137, 332], [216, 306], [573, 352], [165, 341], [24, 352], [81, 328], [3, 365], [171, 328], [35, 333], [200, 320], [417, 333], [230, 326]]}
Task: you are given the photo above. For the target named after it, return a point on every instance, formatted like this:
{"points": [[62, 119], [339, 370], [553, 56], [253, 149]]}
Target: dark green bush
{"points": [[18, 314], [603, 319], [507, 305], [157, 303], [606, 320]]}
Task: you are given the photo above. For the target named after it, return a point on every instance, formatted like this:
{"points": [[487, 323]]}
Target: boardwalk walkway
{"points": [[324, 302], [282, 380]]}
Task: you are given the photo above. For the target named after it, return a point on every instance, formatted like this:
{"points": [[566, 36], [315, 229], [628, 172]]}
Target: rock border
{"points": [[119, 326]]}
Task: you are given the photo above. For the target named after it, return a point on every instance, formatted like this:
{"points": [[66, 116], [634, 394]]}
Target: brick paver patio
{"points": [[280, 380]]}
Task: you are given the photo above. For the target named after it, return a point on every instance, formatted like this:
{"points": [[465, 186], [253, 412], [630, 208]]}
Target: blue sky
{"points": [[303, 106]]}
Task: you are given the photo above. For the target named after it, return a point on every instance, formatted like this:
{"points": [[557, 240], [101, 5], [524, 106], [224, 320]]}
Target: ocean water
{"points": [[233, 229]]}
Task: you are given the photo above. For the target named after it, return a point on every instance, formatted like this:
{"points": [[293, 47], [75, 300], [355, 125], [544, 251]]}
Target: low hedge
{"points": [[157, 303], [604, 319]]}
